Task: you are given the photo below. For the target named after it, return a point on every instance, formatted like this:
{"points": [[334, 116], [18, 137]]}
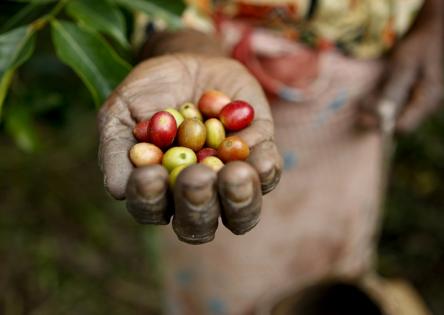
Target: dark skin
{"points": [[235, 193], [180, 67], [414, 73]]}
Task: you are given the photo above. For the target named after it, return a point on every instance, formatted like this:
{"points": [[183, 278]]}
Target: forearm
{"points": [[183, 41], [431, 14]]}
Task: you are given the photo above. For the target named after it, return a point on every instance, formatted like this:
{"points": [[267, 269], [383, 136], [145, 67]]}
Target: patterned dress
{"points": [[364, 29]]}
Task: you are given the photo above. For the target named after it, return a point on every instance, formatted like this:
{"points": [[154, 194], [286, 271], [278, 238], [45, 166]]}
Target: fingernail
{"points": [[198, 196], [267, 174], [241, 197], [146, 196], [196, 205], [150, 189], [239, 192], [271, 182]]}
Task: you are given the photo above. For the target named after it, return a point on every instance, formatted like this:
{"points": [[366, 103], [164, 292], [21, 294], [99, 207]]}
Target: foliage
{"points": [[91, 37], [66, 248]]}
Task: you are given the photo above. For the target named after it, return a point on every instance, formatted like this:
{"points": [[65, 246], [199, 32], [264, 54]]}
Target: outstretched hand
{"points": [[200, 195]]}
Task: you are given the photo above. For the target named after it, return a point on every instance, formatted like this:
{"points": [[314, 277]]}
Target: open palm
{"points": [[200, 195]]}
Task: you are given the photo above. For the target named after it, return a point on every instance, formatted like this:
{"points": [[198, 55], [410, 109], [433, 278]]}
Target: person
{"points": [[325, 67]]}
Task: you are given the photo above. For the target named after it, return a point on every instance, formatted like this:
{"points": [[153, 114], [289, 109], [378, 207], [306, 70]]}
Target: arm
{"points": [[414, 78]]}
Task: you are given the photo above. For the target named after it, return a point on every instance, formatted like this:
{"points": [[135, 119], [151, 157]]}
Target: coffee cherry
{"points": [[140, 131], [203, 153], [213, 162], [143, 154], [177, 156], [215, 132], [177, 116], [211, 103], [189, 110], [173, 175], [237, 115], [162, 129], [233, 148], [192, 134]]}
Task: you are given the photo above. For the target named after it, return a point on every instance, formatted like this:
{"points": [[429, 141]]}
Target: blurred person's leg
{"points": [[319, 221]]}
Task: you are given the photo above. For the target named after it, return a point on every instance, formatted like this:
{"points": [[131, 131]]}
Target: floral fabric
{"points": [[362, 28]]}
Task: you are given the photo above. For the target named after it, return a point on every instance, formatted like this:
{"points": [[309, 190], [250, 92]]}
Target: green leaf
{"points": [[16, 47], [36, 1], [101, 16], [90, 56], [173, 20], [4, 85], [176, 7], [19, 124]]}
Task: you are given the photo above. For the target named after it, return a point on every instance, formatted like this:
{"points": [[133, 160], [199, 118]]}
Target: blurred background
{"points": [[67, 248]]}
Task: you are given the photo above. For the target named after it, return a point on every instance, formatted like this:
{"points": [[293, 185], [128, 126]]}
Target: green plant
{"points": [[92, 37]]}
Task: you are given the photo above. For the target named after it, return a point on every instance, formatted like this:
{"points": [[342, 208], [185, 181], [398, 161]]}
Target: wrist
{"points": [[183, 41]]}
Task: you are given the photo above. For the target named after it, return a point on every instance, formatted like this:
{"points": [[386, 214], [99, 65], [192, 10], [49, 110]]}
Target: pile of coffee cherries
{"points": [[179, 138]]}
